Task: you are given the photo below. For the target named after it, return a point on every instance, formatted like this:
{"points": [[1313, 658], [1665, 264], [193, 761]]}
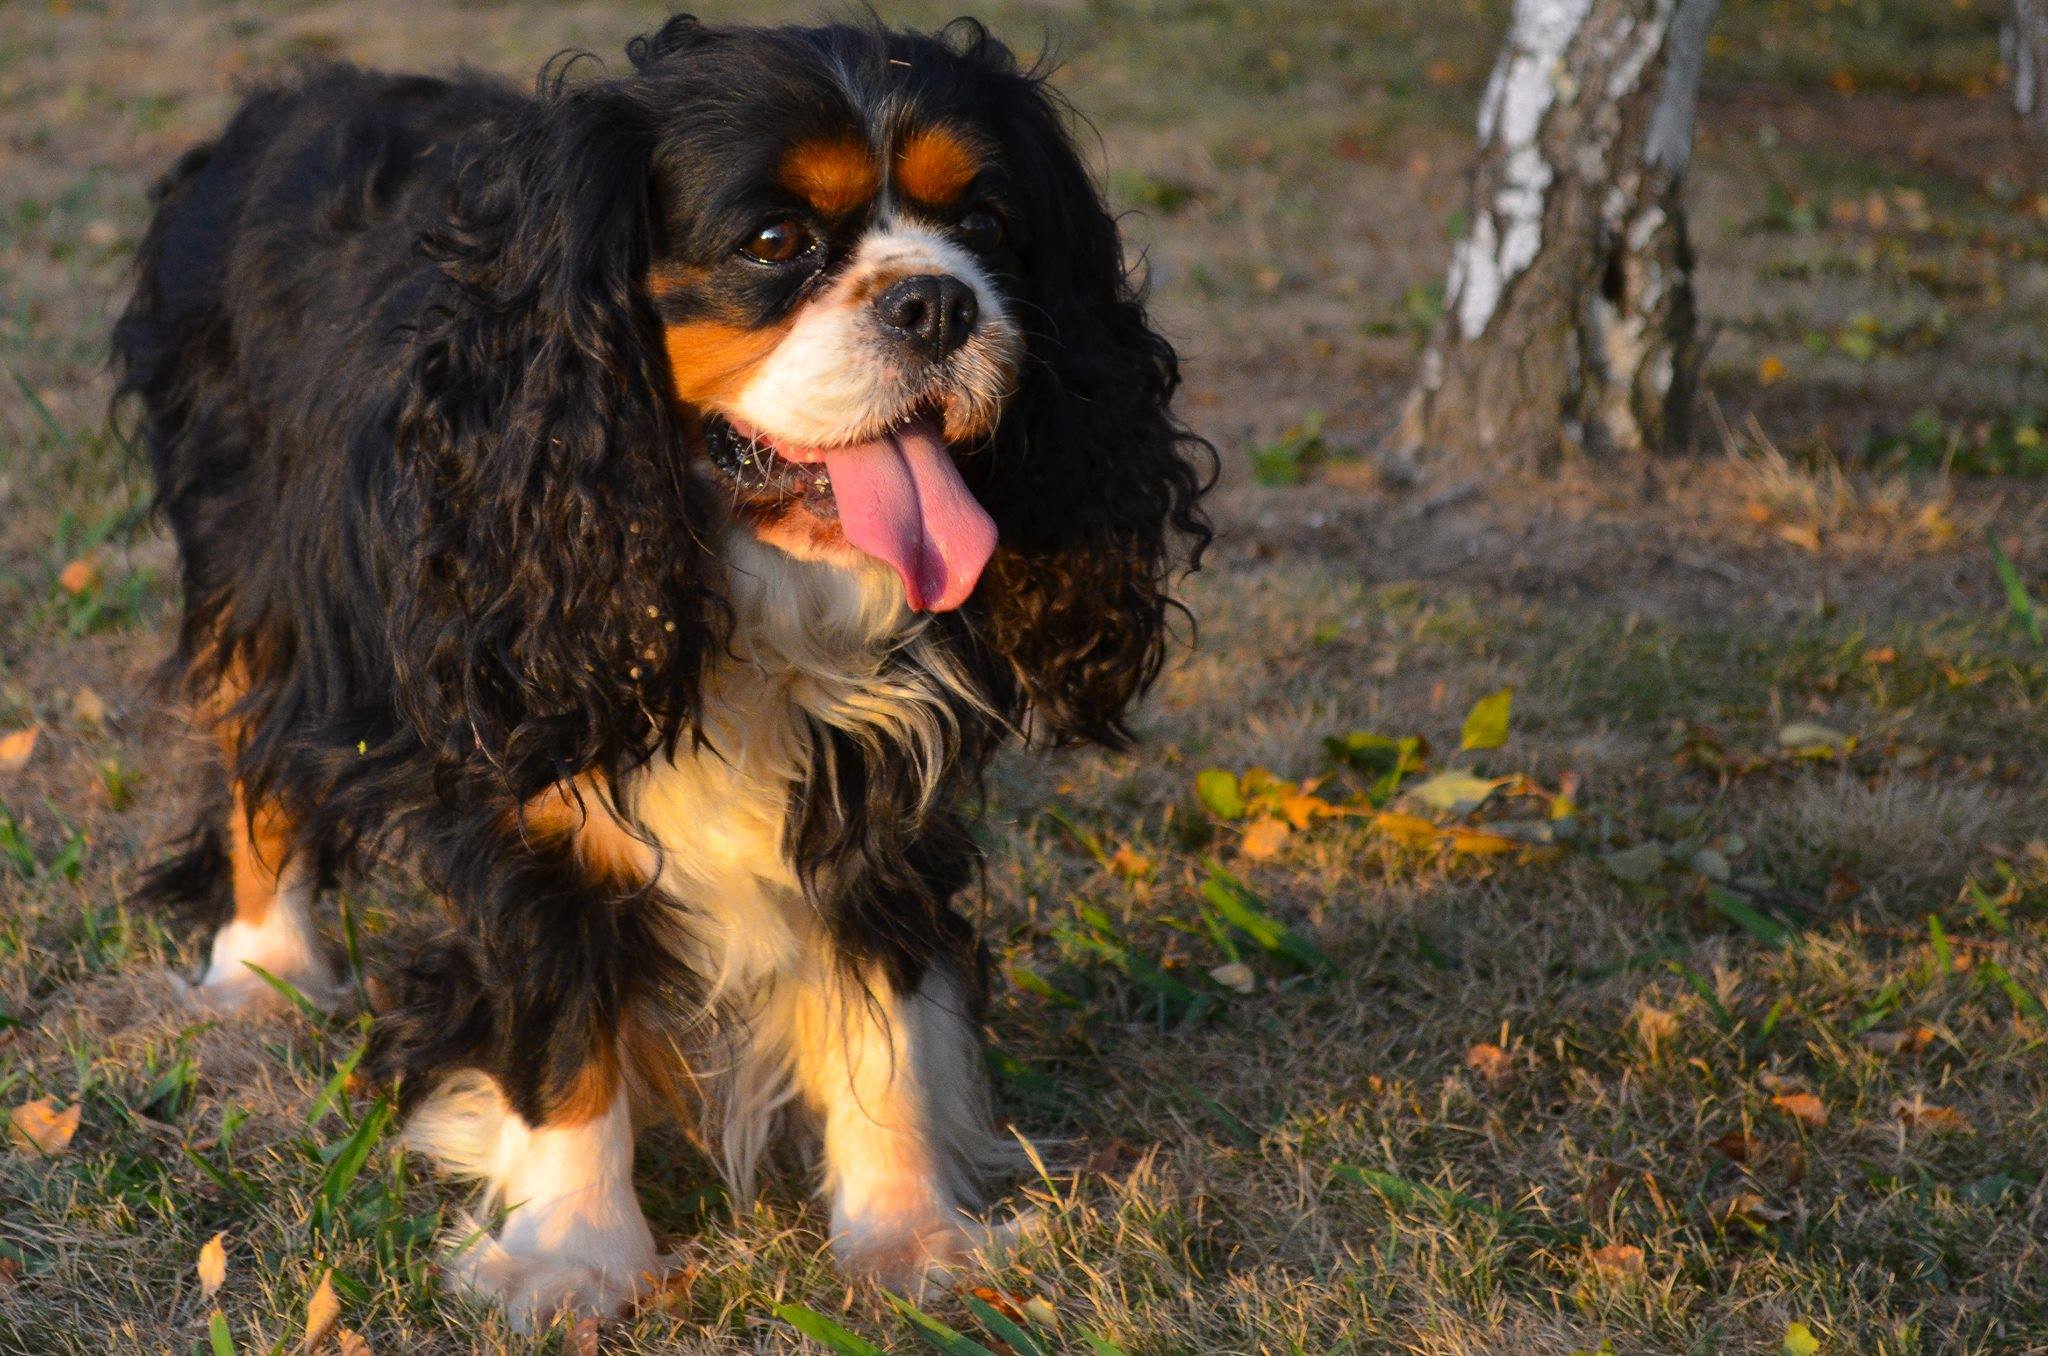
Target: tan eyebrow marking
{"points": [[935, 165], [834, 174]]}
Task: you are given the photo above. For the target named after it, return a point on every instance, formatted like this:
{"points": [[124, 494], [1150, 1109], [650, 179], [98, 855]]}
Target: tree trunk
{"points": [[1568, 321], [2024, 45]]}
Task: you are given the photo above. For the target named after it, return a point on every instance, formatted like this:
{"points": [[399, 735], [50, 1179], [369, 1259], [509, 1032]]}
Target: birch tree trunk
{"points": [[2024, 45], [1568, 321]]}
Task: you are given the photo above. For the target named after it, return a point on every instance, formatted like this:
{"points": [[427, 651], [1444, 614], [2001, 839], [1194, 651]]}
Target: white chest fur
{"points": [[812, 644]]}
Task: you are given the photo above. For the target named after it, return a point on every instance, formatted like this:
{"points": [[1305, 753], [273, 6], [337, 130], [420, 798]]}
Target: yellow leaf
{"points": [[1923, 1116], [1408, 830], [1301, 809], [213, 1265], [1235, 976], [1478, 842], [79, 576], [1770, 371], [322, 1311], [1130, 863], [88, 707], [1264, 838], [40, 1126], [16, 747], [1618, 1261], [349, 1342], [1490, 1062], [1803, 1107]]}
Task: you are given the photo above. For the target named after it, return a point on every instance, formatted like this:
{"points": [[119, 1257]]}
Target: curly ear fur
{"points": [[556, 617], [1094, 483]]}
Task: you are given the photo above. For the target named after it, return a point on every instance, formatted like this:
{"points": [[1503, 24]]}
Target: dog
{"points": [[641, 510]]}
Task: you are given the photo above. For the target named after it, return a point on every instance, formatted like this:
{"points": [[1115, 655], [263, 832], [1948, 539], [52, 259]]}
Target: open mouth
{"points": [[898, 497]]}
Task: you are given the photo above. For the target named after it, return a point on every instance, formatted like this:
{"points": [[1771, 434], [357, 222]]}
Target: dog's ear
{"points": [[551, 614], [1093, 482]]}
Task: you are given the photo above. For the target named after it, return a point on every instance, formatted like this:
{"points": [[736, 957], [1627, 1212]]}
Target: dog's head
{"points": [[850, 289]]}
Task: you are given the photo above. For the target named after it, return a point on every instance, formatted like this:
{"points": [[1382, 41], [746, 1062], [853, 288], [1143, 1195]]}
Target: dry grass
{"points": [[1538, 1100]]}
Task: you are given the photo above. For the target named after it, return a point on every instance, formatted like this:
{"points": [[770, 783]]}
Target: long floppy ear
{"points": [[552, 615], [1093, 482]]}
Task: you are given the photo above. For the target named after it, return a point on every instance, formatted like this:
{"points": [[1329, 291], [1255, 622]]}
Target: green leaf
{"points": [[353, 1153], [1005, 1329], [1240, 908], [1219, 791], [936, 1334], [1799, 1341], [1739, 910], [2017, 600], [825, 1332], [1456, 792], [1486, 724], [217, 1335]]}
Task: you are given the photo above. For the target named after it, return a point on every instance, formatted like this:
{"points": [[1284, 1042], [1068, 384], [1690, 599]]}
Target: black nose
{"points": [[933, 315]]}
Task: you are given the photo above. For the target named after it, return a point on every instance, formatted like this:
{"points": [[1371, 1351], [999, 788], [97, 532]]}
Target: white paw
{"points": [[239, 990], [919, 1256], [536, 1287], [283, 947]]}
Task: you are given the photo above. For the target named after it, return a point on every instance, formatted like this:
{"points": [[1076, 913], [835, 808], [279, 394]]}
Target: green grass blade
{"points": [[1240, 908], [1004, 1328], [217, 1335], [1740, 911], [936, 1334], [353, 1154], [288, 991], [2017, 600], [1102, 1346], [825, 1332]]}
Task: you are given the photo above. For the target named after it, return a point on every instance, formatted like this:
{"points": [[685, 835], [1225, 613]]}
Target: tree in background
{"points": [[2024, 45], [1568, 321]]}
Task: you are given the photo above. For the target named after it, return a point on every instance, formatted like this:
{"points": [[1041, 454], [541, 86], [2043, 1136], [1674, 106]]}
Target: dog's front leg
{"points": [[895, 1080]]}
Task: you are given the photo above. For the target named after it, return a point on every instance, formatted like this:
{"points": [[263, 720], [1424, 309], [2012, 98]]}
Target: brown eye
{"points": [[981, 230], [778, 242]]}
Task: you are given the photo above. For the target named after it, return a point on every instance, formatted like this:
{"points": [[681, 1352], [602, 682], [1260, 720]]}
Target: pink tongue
{"points": [[901, 501]]}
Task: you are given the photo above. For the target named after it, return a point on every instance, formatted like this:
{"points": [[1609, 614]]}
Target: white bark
{"points": [[1568, 313], [2024, 47]]}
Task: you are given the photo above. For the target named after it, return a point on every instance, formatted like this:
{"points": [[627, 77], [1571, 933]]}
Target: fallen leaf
{"points": [[1736, 1146], [1454, 791], [1882, 654], [10, 1271], [1235, 976], [322, 1310], [1218, 789], [1770, 371], [1799, 1341], [88, 707], [1618, 1261], [1911, 1041], [1486, 724], [213, 1266], [349, 1342], [583, 1337], [1636, 865], [1300, 810], [1489, 1061], [16, 747], [1924, 1116], [1803, 1107], [1264, 838], [1407, 830], [79, 576], [1480, 842], [1130, 863], [1654, 1025], [1808, 737], [1745, 1207], [40, 1126]]}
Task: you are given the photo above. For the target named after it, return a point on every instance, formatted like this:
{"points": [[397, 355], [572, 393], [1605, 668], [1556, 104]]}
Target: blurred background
{"points": [[1687, 998]]}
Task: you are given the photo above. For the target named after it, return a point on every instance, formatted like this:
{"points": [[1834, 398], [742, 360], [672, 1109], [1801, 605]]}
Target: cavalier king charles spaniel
{"points": [[642, 510]]}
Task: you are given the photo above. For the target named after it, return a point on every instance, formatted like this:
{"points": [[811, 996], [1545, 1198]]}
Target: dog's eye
{"points": [[981, 230], [778, 242]]}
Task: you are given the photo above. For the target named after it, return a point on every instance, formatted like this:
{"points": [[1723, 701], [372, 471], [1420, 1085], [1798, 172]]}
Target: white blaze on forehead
{"points": [[834, 378]]}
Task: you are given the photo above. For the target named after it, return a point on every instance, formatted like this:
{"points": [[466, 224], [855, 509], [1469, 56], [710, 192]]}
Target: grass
{"points": [[1703, 1013]]}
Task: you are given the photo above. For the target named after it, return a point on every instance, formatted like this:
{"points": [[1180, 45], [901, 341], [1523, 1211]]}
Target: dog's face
{"points": [[831, 281]]}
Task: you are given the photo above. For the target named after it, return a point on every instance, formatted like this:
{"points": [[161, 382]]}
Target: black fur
{"points": [[406, 401]]}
